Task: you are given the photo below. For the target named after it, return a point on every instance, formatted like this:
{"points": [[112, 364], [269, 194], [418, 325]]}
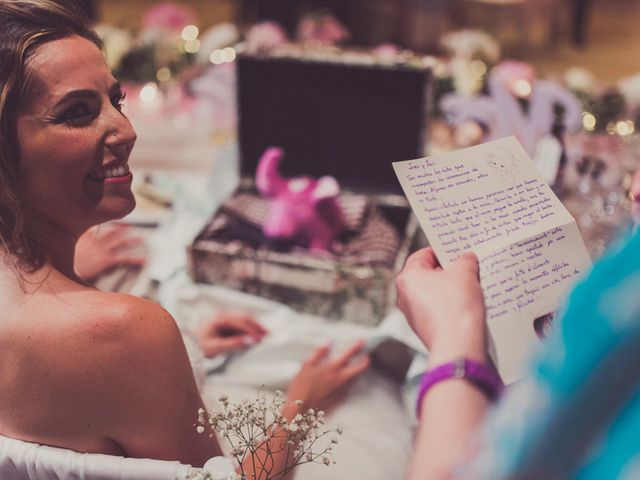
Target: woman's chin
{"points": [[118, 208]]}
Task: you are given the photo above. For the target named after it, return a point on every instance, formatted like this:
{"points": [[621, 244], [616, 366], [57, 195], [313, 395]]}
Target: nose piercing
{"points": [[114, 133]]}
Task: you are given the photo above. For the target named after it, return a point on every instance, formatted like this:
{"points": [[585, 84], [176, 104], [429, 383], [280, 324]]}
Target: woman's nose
{"points": [[121, 132]]}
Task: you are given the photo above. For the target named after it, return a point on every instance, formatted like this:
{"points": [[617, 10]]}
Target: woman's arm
{"points": [[446, 310]]}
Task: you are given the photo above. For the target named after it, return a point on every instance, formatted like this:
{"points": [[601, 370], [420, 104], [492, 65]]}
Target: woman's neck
{"points": [[60, 245]]}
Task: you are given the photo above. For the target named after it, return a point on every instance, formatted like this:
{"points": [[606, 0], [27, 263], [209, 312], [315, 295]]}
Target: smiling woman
{"points": [[64, 147], [79, 368], [74, 141]]}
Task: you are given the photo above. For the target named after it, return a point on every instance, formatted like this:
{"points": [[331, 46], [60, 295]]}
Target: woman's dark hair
{"points": [[24, 26]]}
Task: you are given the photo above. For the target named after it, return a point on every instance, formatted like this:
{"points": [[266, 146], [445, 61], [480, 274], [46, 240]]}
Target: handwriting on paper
{"points": [[490, 199]]}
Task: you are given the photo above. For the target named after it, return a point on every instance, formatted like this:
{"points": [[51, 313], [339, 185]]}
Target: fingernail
{"points": [[248, 340]]}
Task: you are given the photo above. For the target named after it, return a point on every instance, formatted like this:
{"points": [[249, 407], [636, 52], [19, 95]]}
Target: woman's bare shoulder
{"points": [[108, 313], [93, 369], [112, 330]]}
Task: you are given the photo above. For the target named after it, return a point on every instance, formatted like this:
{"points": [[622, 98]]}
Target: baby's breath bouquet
{"points": [[258, 431]]}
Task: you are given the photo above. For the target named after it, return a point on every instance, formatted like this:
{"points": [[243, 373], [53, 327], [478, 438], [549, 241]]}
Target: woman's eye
{"points": [[118, 100], [78, 114]]}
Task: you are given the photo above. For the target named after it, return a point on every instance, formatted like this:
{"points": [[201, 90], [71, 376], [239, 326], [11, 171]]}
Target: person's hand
{"points": [[444, 307], [228, 331], [100, 250], [320, 377]]}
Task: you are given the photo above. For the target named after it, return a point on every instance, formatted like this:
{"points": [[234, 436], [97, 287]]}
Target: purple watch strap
{"points": [[480, 374]]}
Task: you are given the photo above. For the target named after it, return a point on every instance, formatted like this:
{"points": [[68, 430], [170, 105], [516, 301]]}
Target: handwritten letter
{"points": [[491, 200]]}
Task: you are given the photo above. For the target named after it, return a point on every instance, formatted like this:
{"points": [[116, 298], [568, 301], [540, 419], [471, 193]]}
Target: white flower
{"points": [[220, 468], [264, 414], [630, 88], [470, 44], [580, 79], [215, 38], [465, 78], [117, 42]]}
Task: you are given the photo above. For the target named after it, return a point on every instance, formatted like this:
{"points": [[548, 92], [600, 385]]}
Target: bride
{"points": [[79, 368]]}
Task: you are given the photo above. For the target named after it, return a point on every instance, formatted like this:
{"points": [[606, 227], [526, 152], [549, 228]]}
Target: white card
{"points": [[491, 200]]}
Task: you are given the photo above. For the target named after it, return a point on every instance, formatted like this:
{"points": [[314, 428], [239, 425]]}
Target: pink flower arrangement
{"points": [[168, 16], [323, 29], [265, 36]]}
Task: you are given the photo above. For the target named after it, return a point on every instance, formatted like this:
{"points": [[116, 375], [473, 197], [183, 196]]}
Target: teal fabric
{"points": [[579, 414]]}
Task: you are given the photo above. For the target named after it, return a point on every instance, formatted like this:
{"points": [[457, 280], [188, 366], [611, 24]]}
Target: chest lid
{"points": [[332, 118]]}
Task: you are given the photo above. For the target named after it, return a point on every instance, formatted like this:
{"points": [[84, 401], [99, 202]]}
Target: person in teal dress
{"points": [[576, 416]]}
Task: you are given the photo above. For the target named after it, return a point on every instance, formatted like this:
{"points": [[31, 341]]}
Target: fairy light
{"points": [[589, 121], [148, 93], [632, 126], [192, 46], [163, 75], [228, 54], [624, 127], [522, 88], [611, 128], [216, 57], [190, 33]]}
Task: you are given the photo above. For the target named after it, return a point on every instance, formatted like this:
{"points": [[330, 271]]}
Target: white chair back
{"points": [[21, 460]]}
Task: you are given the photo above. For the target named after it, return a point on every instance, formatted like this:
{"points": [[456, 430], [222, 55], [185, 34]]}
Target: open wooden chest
{"points": [[349, 120]]}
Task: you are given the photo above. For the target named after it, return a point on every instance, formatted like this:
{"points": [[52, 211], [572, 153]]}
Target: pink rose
{"points": [[168, 16], [265, 36], [324, 29]]}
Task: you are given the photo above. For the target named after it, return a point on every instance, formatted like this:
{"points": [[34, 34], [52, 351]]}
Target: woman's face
{"points": [[74, 140]]}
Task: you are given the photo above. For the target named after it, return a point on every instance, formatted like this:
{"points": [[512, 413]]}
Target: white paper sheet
{"points": [[491, 200]]}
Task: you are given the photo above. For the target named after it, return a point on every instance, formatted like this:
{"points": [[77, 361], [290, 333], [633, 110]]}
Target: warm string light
{"points": [[148, 93], [190, 33], [223, 55], [192, 46], [624, 128], [163, 75], [621, 128], [589, 121], [522, 88], [190, 36]]}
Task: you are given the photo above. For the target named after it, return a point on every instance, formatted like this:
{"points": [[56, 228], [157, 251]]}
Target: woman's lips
{"points": [[124, 179]]}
